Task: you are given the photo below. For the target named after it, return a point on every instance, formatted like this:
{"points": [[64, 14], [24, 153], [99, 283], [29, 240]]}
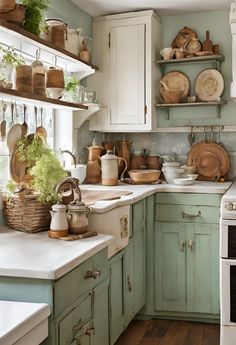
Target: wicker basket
{"points": [[25, 213]]}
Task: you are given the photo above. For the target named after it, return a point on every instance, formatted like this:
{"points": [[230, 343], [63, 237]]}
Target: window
{"points": [[18, 117]]}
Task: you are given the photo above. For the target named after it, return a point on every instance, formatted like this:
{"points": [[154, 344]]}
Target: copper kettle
{"points": [[93, 174]]}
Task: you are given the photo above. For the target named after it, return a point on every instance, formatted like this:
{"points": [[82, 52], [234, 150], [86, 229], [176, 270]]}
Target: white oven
{"points": [[228, 267]]}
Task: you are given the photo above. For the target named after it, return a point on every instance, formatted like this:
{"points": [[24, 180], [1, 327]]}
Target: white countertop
{"points": [[142, 191], [18, 318], [37, 256]]}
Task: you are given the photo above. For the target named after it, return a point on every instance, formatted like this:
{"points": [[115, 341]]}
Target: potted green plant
{"points": [[74, 92], [34, 15], [9, 60]]}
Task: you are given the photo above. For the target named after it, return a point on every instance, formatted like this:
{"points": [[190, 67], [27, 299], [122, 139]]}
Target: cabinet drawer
{"points": [[186, 213], [82, 279], [188, 199], [72, 324]]}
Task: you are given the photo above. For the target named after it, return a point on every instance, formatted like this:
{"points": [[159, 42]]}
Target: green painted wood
{"points": [[100, 315], [116, 296], [187, 214], [170, 267], [129, 283], [68, 288], [188, 199], [71, 324], [148, 309], [203, 269], [138, 218], [26, 290], [139, 270]]}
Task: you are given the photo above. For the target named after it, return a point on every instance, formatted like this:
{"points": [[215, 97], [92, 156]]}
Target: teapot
{"points": [[59, 223], [109, 169], [77, 216]]}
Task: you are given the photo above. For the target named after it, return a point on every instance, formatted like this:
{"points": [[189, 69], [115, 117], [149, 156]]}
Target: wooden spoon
{"points": [[3, 123], [41, 131], [24, 125]]}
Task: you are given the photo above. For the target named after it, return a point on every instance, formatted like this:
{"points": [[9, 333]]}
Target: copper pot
{"points": [[94, 152], [123, 151], [93, 174]]}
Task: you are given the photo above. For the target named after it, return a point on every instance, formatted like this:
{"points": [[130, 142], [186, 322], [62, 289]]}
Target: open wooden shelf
{"points": [[27, 44], [196, 104], [11, 94], [197, 59]]}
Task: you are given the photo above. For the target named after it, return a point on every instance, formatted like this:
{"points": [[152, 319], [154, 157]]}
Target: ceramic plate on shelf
{"points": [[209, 85], [176, 80]]}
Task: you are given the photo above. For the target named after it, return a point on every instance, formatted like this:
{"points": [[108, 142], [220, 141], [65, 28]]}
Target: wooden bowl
{"points": [[144, 176]]}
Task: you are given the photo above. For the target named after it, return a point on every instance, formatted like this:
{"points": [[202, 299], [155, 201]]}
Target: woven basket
{"points": [[26, 214]]}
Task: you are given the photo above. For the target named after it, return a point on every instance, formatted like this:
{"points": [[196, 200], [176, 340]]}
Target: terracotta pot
{"points": [[7, 5], [24, 80]]}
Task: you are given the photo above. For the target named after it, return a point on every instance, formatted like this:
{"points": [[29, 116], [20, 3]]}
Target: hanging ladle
{"points": [[3, 123], [41, 131], [191, 137], [24, 124]]}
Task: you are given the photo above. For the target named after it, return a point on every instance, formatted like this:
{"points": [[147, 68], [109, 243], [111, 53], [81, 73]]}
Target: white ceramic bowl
{"points": [[79, 172], [171, 164], [171, 174], [191, 176]]}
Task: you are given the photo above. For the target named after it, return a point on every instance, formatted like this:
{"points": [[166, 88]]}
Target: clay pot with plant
{"points": [[10, 60]]}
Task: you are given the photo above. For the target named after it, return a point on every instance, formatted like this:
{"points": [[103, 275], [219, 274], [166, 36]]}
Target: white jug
{"points": [[109, 168], [59, 223]]}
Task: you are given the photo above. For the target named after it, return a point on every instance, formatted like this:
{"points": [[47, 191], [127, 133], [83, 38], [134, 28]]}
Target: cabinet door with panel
{"points": [[170, 266], [203, 268], [116, 296], [129, 283], [126, 46]]}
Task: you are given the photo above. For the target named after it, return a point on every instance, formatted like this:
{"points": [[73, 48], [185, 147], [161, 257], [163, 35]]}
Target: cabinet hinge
{"points": [[109, 40]]}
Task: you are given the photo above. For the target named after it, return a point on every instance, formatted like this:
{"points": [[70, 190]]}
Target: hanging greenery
{"points": [[34, 14]]}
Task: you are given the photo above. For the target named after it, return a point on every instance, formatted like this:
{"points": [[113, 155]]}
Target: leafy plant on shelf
{"points": [[71, 83], [34, 15], [43, 166], [10, 57]]}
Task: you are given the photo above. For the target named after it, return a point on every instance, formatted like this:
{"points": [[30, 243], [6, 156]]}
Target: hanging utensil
{"points": [[211, 137], [24, 124], [3, 123], [14, 133], [191, 137], [41, 131]]}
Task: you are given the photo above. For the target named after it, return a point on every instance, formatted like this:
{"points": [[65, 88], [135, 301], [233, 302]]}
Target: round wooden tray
{"points": [[211, 159], [176, 80], [209, 85]]}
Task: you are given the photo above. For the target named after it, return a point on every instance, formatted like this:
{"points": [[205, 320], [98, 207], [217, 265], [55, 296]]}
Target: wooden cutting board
{"points": [[90, 197]]}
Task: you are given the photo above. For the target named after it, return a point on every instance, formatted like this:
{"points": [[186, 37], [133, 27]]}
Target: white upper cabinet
{"points": [[126, 47]]}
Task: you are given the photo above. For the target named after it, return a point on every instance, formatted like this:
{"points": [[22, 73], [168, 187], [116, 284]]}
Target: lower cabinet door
{"points": [[139, 270], [100, 315], [116, 296], [73, 325], [203, 268], [129, 288], [85, 335], [170, 266]]}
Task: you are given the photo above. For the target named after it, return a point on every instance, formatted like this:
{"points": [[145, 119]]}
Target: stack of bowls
{"points": [[172, 171]]}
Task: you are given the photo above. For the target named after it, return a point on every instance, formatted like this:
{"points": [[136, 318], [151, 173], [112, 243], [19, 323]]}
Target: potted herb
{"points": [[34, 15], [44, 168], [74, 92], [9, 60]]}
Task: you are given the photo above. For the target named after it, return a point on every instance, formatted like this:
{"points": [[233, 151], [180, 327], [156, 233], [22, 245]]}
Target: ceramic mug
{"points": [[167, 53]]}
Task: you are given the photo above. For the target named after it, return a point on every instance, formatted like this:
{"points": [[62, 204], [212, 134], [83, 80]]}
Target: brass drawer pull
{"points": [[188, 215], [78, 326], [92, 274], [90, 330]]}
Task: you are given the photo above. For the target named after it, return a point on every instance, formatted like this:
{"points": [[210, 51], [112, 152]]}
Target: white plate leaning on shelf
{"points": [[209, 85]]}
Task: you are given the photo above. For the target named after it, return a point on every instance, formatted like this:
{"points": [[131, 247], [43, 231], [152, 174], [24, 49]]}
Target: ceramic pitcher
{"points": [[59, 223], [109, 168]]}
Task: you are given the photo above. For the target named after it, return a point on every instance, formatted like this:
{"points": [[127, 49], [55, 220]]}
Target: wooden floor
{"points": [[166, 332]]}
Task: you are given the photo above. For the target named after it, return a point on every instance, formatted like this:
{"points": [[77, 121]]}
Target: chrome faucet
{"points": [[70, 153]]}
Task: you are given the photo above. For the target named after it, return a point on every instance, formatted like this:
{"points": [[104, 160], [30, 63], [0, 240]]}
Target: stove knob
{"points": [[229, 206]]}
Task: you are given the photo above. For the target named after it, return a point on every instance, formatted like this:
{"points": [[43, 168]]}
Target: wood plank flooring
{"points": [[166, 332]]}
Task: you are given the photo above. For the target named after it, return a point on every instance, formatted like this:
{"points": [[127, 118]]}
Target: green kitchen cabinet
{"points": [[78, 301], [116, 296], [170, 266], [127, 276], [186, 258]]}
